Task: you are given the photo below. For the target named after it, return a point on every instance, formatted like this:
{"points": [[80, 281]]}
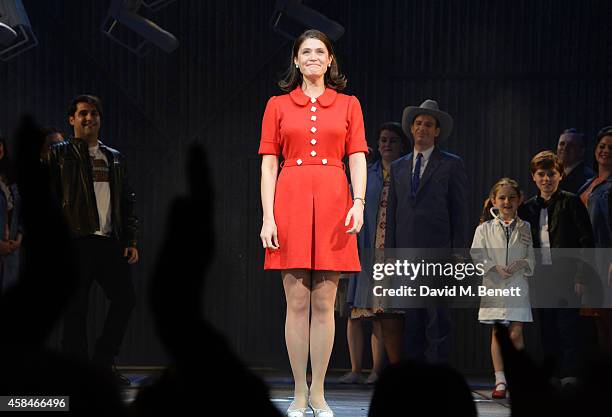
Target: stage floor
{"points": [[345, 400], [354, 400]]}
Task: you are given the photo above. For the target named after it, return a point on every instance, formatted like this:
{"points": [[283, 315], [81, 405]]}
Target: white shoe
{"points": [[371, 379], [321, 412], [296, 412], [351, 378]]}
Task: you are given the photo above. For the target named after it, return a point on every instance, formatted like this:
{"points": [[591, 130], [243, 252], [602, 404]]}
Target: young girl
{"points": [[502, 243]]}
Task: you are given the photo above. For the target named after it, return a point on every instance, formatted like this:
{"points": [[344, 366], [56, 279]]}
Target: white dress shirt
{"points": [[426, 154]]}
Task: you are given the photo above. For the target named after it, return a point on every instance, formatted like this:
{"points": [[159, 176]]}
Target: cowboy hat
{"points": [[430, 107]]}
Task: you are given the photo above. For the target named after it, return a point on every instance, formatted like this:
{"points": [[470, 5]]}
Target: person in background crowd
{"points": [[10, 222], [99, 206], [558, 219], [596, 195], [392, 144], [502, 243], [427, 209], [570, 151], [52, 135]]}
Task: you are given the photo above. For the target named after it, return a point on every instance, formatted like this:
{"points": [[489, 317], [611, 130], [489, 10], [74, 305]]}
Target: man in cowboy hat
{"points": [[427, 209]]}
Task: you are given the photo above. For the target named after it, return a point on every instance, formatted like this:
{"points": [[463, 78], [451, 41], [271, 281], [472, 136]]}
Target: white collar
{"points": [[426, 154]]}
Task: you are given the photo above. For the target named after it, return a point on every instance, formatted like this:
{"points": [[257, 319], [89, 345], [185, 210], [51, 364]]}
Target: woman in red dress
{"points": [[310, 221]]}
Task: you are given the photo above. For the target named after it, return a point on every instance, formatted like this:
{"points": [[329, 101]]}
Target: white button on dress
{"points": [[299, 162], [324, 161], [313, 118], [313, 129], [313, 109], [312, 99], [314, 142], [313, 153]]}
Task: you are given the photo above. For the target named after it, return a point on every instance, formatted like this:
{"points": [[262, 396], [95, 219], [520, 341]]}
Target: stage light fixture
{"points": [[291, 18], [16, 34], [7, 35], [125, 26], [155, 5]]}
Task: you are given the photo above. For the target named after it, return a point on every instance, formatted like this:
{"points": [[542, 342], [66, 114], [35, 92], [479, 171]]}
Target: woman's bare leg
{"points": [[322, 329], [354, 336], [296, 283], [392, 334], [378, 347]]}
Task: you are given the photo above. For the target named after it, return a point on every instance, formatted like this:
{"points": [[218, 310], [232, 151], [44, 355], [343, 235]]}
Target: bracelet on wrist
{"points": [[359, 198]]}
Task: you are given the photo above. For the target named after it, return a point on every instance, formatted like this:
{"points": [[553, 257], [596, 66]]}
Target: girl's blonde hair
{"points": [[486, 210]]}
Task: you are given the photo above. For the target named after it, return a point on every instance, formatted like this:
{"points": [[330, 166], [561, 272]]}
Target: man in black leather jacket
{"points": [[91, 183]]}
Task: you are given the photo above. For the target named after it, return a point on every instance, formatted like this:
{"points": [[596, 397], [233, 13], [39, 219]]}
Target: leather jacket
{"points": [[71, 173]]}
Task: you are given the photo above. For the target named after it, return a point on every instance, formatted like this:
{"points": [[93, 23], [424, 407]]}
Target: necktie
{"points": [[416, 175]]}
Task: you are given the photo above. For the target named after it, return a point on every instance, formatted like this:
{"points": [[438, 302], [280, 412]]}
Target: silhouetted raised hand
{"points": [[531, 393], [206, 377]]}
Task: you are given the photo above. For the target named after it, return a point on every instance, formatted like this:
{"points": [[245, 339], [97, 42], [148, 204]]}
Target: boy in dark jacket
{"points": [[558, 219]]}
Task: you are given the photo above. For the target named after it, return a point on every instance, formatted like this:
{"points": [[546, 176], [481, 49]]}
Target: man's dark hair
{"points": [[49, 130], [84, 98], [579, 135]]}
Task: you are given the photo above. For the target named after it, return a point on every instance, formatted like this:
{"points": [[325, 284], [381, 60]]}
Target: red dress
{"points": [[312, 195]]}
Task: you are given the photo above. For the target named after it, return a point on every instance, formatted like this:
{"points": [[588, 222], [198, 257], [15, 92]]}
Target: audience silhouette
{"points": [[418, 388], [47, 281], [205, 374]]}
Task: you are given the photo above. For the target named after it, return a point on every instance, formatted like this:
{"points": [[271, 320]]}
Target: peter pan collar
{"points": [[326, 99]]}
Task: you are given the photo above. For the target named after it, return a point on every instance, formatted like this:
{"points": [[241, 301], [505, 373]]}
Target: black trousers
{"points": [[559, 316], [428, 334], [561, 339], [101, 260]]}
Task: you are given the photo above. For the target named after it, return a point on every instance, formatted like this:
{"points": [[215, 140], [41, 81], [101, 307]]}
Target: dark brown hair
{"points": [[397, 129], [486, 209], [605, 131], [84, 98], [293, 77], [546, 160], [49, 130]]}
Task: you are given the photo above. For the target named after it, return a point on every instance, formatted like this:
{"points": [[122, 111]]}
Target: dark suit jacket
{"points": [[576, 178], [438, 216]]}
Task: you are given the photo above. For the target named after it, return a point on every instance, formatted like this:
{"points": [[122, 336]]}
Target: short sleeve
{"points": [[270, 135], [355, 138]]}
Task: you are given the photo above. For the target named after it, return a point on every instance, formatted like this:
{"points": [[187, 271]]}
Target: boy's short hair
{"points": [[546, 160]]}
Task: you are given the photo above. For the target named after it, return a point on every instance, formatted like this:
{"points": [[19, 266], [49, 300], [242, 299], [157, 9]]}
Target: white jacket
{"points": [[491, 246]]}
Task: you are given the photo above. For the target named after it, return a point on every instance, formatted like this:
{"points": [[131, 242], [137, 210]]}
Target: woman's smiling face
{"points": [[313, 58]]}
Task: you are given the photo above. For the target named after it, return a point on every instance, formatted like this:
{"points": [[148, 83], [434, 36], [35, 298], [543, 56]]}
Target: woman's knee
{"points": [[322, 307], [298, 304]]}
